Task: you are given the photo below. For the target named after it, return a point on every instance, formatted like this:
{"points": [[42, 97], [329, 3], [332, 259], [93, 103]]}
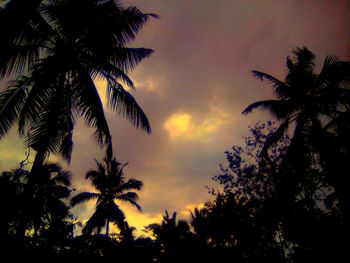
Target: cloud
{"points": [[183, 125], [179, 124]]}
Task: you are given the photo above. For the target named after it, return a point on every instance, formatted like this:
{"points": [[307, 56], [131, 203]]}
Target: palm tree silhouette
{"points": [[317, 105], [303, 98], [61, 49], [111, 186]]}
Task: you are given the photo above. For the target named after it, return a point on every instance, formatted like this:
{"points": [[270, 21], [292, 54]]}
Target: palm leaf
{"points": [[274, 138], [304, 59], [128, 58], [124, 103], [131, 184], [116, 215], [90, 105], [279, 86], [11, 103], [95, 222], [131, 198], [128, 22], [53, 127], [83, 197], [281, 109]]}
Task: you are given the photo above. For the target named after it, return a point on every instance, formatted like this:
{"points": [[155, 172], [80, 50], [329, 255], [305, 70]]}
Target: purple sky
{"points": [[194, 88]]}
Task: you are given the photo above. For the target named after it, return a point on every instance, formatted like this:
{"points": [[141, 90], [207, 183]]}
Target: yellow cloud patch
{"points": [[140, 220], [187, 126], [179, 125]]}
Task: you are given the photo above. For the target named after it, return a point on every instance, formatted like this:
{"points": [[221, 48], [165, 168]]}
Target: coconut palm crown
{"points": [[111, 186], [53, 58], [305, 99]]}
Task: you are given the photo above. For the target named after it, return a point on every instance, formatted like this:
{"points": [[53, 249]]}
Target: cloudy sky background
{"points": [[194, 88]]}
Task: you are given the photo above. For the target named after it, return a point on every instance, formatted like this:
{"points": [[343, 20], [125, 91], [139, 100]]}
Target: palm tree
{"points": [[316, 105], [200, 223], [111, 186], [175, 239], [304, 98], [61, 49], [169, 230]]}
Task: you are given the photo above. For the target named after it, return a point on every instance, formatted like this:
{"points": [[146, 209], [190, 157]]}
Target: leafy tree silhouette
{"points": [[111, 186], [37, 213], [175, 238], [250, 215]]}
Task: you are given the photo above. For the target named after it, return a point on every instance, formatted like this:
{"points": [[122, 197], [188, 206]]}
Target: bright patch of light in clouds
{"points": [[183, 125], [179, 125]]}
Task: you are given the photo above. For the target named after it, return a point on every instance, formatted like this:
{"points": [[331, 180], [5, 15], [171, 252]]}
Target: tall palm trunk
{"points": [[44, 144], [107, 228], [38, 163]]}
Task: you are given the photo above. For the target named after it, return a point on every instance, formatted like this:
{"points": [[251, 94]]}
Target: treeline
{"points": [[281, 197]]}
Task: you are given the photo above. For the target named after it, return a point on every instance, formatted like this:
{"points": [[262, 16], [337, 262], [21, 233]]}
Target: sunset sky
{"points": [[194, 88]]}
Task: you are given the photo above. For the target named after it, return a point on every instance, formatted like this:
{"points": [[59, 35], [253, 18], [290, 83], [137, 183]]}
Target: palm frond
{"points": [[98, 180], [304, 59], [328, 64], [41, 90], [279, 86], [91, 174], [90, 105], [131, 184], [107, 70], [53, 127], [281, 109], [12, 100], [124, 103], [83, 197], [274, 138], [18, 59], [95, 223], [128, 58], [116, 215], [131, 198], [58, 175], [128, 22], [22, 38]]}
